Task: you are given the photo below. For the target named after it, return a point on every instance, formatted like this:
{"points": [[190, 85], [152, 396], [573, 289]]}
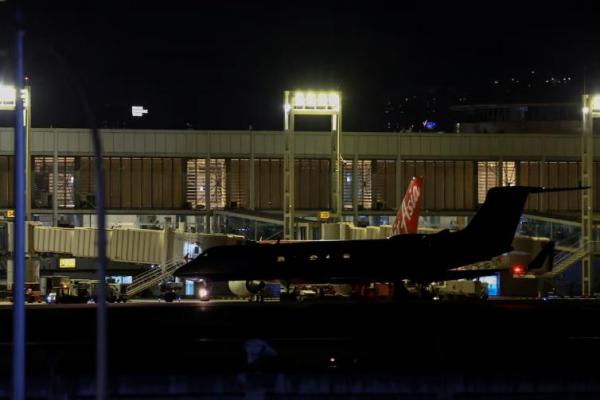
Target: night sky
{"points": [[225, 64]]}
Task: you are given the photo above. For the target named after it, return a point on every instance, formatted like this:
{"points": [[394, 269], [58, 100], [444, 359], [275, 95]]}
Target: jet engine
{"points": [[245, 289]]}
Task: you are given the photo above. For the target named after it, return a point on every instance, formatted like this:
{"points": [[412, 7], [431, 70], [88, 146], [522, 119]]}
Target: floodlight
{"points": [[334, 100], [314, 101], [322, 100], [8, 97], [595, 103], [311, 99], [7, 93], [299, 99]]}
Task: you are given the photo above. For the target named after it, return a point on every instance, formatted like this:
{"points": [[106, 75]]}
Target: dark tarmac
{"points": [[317, 350]]}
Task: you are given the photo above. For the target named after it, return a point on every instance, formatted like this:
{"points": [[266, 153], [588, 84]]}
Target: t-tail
{"points": [[407, 218], [492, 229]]}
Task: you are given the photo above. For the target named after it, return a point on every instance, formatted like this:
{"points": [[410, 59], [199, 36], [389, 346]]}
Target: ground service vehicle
{"points": [[32, 293], [460, 289], [61, 289], [170, 291]]}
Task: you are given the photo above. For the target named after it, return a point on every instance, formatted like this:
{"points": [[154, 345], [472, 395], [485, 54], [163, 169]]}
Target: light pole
{"points": [[591, 109], [27, 120], [8, 99], [310, 102], [21, 105]]}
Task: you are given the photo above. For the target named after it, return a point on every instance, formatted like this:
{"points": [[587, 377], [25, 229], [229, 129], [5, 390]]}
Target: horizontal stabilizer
{"points": [[468, 274], [535, 189], [547, 252]]}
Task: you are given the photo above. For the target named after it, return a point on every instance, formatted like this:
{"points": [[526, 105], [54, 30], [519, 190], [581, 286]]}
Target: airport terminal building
{"points": [[232, 181], [195, 172]]}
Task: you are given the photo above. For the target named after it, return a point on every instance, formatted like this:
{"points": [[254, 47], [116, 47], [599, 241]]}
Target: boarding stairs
{"points": [[153, 276], [568, 256]]}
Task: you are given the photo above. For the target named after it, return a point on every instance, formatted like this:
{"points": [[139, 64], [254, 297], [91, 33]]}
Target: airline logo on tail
{"points": [[407, 218]]}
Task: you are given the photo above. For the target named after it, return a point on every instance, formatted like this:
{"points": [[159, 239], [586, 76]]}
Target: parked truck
{"points": [[62, 289], [115, 292], [460, 289]]}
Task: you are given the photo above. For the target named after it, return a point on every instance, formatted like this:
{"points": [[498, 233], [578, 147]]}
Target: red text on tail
{"points": [[407, 218]]}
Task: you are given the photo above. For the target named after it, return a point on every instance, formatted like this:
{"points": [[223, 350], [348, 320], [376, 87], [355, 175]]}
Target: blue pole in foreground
{"points": [[18, 290]]}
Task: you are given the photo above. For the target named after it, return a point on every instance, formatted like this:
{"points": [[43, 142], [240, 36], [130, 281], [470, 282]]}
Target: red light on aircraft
{"points": [[517, 269]]}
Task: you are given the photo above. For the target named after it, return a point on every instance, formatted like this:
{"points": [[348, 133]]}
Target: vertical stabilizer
{"points": [[407, 218]]}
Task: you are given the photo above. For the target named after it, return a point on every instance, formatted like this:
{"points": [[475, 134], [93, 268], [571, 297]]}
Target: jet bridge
{"points": [[141, 246]]}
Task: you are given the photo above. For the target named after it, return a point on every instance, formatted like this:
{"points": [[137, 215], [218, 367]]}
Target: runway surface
{"points": [[316, 349]]}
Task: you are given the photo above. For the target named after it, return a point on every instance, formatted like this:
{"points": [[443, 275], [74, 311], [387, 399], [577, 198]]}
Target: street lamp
{"points": [[310, 102], [8, 102], [590, 109]]}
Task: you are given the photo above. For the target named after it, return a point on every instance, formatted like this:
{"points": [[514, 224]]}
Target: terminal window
{"points": [[238, 171], [363, 182], [206, 184], [494, 173], [6, 181], [44, 180]]}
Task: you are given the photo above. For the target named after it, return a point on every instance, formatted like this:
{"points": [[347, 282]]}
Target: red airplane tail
{"points": [[407, 218]]}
